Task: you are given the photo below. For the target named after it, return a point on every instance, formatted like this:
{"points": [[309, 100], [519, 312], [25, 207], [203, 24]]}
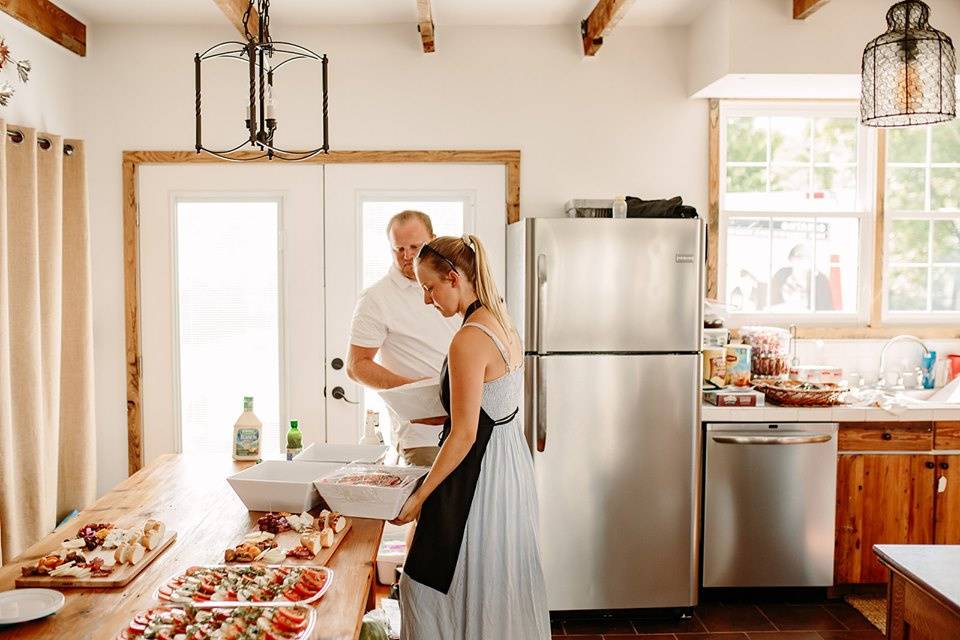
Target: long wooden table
{"points": [[191, 495], [923, 594]]}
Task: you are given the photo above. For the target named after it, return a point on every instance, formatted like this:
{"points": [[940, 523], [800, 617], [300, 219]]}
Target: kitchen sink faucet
{"points": [[881, 379]]}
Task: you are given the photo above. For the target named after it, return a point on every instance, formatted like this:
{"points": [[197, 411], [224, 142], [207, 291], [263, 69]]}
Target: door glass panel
{"points": [[376, 255], [227, 279]]}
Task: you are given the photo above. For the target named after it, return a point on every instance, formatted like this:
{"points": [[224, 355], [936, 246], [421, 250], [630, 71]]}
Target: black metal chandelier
{"points": [[908, 76], [264, 57]]}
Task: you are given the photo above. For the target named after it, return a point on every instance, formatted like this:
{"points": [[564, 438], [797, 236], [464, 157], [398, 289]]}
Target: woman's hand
{"points": [[410, 511], [435, 421]]}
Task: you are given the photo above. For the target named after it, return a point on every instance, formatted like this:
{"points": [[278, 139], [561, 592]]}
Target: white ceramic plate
{"points": [[21, 605]]}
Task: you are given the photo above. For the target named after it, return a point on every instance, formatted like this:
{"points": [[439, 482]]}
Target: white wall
{"points": [[620, 123], [769, 54], [49, 99]]}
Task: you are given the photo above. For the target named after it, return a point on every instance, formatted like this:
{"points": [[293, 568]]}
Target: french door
{"points": [[248, 279]]}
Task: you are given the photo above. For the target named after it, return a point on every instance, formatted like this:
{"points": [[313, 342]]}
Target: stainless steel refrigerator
{"points": [[610, 312]]}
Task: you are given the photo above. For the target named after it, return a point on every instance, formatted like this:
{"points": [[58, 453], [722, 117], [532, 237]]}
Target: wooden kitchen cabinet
{"points": [[947, 502], [882, 499]]}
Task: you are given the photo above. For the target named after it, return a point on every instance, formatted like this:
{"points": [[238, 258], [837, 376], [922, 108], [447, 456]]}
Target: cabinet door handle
{"points": [[887, 435], [944, 465], [929, 465]]}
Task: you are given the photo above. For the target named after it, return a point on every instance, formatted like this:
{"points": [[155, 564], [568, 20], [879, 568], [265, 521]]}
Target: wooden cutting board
{"points": [[290, 539], [120, 577]]}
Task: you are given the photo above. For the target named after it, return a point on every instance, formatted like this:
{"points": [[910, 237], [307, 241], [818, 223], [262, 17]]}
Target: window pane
{"points": [[227, 283], [835, 140], [908, 289], [905, 189], [447, 217], [837, 259], [748, 263], [946, 142], [907, 144], [791, 283], [792, 180], [836, 187], [746, 139], [946, 288], [907, 241], [789, 139], [946, 241], [746, 179], [944, 189]]}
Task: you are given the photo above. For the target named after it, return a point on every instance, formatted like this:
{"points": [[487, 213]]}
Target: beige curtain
{"points": [[47, 430]]}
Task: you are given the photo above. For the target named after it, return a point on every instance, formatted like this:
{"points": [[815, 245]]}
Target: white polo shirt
{"points": [[413, 339]]}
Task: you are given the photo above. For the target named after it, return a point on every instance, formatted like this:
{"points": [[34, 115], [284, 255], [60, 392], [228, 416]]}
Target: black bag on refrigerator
{"points": [[672, 208]]}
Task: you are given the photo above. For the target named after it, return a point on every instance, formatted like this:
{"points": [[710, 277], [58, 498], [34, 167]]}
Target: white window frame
{"points": [[929, 316], [864, 211], [176, 198]]}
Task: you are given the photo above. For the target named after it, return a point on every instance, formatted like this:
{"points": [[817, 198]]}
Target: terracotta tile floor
{"points": [[734, 620]]}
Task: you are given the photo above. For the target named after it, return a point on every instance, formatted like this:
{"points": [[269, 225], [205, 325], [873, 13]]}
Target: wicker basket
{"points": [[789, 394]]}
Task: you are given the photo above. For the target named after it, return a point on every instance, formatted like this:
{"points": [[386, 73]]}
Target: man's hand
{"points": [[437, 421]]}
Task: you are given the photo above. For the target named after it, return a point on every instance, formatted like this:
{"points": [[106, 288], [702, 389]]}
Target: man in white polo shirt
{"points": [[411, 338]]}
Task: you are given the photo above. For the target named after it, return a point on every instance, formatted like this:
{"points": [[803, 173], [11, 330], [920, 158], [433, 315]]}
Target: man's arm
{"points": [[362, 368]]}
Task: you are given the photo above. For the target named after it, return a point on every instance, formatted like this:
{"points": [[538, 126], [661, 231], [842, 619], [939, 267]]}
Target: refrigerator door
{"points": [[616, 451], [601, 285]]}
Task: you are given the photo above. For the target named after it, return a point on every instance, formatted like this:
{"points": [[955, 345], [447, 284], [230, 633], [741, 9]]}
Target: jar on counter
{"points": [[770, 348]]}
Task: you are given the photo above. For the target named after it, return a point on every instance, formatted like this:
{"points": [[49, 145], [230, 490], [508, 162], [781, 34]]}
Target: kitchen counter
{"points": [[923, 594], [191, 495], [838, 413]]}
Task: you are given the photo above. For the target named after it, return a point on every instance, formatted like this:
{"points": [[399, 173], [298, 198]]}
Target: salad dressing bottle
{"points": [[247, 433]]}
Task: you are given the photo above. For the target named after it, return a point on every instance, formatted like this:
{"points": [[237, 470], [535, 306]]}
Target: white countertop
{"points": [[838, 413]]}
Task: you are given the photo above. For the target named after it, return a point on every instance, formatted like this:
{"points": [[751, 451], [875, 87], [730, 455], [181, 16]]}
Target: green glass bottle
{"points": [[294, 440]]}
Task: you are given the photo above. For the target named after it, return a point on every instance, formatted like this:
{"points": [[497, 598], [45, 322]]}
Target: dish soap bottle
{"points": [[247, 433], [371, 431], [294, 440]]}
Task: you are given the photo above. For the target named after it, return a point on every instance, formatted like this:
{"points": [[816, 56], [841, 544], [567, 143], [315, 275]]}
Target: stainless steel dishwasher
{"points": [[769, 505]]}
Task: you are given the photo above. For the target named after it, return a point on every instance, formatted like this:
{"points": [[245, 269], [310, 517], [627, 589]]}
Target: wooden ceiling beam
{"points": [[601, 22], [50, 20], [425, 25], [803, 9], [234, 10]]}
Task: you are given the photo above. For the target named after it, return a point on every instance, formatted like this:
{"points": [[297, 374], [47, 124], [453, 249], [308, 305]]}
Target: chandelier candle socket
{"points": [[264, 57], [908, 76]]}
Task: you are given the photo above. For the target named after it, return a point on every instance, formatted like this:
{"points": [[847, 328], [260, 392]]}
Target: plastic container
{"points": [[367, 500], [392, 554], [716, 337], [619, 207], [280, 485], [770, 348], [343, 453]]}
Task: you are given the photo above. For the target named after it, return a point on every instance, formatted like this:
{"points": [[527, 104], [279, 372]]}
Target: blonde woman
{"points": [[473, 571]]}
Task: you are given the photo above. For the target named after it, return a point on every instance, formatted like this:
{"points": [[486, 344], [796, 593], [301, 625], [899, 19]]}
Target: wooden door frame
{"points": [[132, 160]]}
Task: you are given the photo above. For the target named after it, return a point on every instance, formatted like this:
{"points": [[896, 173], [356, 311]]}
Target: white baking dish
{"points": [[279, 485], [323, 452], [362, 501]]}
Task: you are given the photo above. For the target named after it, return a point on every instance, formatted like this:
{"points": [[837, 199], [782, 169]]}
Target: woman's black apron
{"points": [[432, 558]]}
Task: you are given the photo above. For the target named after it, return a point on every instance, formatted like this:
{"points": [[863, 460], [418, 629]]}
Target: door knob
{"points": [[339, 394], [337, 363]]}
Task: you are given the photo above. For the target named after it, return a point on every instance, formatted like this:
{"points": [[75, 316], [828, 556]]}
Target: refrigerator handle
{"points": [[541, 298], [541, 408]]}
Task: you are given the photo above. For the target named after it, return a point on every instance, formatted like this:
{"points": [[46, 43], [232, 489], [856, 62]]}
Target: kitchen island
{"points": [[923, 593], [191, 495]]}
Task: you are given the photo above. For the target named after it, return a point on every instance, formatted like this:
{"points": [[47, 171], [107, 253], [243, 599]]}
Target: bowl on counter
{"points": [[281, 485]]}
